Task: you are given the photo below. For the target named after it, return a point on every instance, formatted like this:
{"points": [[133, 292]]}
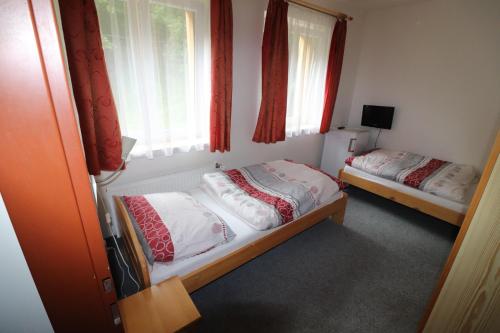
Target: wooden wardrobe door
{"points": [[466, 298], [43, 177]]}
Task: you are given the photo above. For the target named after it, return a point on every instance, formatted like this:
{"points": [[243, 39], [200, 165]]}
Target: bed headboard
{"points": [[180, 181]]}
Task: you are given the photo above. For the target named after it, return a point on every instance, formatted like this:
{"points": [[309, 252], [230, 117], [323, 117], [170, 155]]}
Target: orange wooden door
{"points": [[43, 177]]}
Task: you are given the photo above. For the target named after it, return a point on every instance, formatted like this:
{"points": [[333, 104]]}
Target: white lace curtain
{"points": [[158, 59], [309, 36]]}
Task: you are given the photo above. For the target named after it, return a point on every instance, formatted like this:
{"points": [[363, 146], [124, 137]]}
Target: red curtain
{"points": [[272, 115], [221, 30], [94, 100], [333, 73]]}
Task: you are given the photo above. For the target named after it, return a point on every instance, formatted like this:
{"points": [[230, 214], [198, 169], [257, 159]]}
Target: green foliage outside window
{"points": [[174, 78]]}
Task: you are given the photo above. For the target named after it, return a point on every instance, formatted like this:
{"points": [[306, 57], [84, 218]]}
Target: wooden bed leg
{"points": [[338, 217]]}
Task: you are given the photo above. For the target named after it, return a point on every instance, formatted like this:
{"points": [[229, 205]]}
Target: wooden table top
{"points": [[165, 307]]}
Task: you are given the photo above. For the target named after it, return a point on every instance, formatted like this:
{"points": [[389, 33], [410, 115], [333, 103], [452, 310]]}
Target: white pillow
{"points": [[175, 225]]}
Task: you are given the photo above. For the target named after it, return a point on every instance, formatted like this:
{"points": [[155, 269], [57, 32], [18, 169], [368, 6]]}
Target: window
{"points": [[158, 58], [309, 35]]}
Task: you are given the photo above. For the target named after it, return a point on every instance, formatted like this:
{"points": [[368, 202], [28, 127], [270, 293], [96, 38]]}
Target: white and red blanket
{"points": [[174, 225], [441, 178], [270, 194]]}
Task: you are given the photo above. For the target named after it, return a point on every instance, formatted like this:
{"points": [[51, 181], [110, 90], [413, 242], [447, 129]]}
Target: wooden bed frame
{"points": [[221, 266], [424, 206]]}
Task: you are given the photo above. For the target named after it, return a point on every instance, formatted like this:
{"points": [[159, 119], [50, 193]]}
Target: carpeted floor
{"points": [[375, 273]]}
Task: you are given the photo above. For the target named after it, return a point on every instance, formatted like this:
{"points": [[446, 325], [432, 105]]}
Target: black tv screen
{"points": [[377, 116]]}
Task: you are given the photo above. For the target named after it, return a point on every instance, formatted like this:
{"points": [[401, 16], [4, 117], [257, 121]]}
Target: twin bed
{"points": [[247, 211], [439, 188]]}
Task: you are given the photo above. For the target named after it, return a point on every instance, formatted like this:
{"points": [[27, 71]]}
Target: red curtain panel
{"points": [[272, 114], [221, 30], [333, 73], [94, 100]]}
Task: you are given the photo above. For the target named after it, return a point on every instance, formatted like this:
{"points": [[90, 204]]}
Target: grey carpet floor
{"points": [[375, 273]]}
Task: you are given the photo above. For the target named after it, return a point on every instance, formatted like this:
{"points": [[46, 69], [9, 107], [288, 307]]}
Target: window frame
{"points": [[200, 91]]}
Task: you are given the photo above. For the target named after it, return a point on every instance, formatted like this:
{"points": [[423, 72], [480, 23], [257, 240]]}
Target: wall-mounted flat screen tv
{"points": [[377, 116]]}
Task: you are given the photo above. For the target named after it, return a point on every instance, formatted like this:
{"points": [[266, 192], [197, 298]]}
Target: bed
{"points": [[416, 181], [249, 242]]}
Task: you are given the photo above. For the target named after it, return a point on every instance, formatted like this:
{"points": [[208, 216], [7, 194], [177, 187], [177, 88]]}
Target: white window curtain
{"points": [[309, 36], [158, 59]]}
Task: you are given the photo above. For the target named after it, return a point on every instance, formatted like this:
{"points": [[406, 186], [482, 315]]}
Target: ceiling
{"points": [[376, 4]]}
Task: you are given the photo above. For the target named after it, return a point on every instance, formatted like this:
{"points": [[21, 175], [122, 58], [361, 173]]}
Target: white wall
{"points": [[438, 62], [21, 309], [248, 28]]}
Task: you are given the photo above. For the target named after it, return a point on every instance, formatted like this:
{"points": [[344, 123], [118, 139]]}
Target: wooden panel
{"points": [[51, 50], [470, 297], [212, 271], [163, 308], [132, 245], [51, 206], [426, 207], [485, 176]]}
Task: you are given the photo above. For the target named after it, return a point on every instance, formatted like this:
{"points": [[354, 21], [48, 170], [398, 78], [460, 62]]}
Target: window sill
{"points": [[141, 153], [302, 132]]}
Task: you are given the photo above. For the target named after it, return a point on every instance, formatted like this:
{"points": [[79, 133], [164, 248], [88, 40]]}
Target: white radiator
{"points": [[181, 182]]}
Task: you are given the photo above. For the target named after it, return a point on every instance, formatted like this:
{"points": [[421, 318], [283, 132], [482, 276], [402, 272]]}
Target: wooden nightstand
{"points": [[165, 307]]}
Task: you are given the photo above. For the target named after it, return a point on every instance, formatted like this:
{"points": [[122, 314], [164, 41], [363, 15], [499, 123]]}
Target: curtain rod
{"points": [[335, 13]]}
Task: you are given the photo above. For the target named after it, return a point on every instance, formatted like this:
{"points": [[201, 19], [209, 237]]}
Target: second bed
{"points": [[439, 188]]}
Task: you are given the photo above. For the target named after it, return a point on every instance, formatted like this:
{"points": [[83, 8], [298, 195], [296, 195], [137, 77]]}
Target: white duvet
{"points": [[270, 194]]}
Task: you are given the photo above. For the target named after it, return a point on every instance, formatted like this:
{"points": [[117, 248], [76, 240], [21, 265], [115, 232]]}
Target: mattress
{"points": [[440, 201], [244, 235]]}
